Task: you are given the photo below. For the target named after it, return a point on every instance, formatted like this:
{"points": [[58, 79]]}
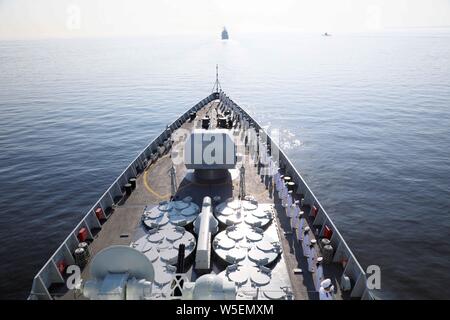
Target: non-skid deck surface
{"points": [[153, 186]]}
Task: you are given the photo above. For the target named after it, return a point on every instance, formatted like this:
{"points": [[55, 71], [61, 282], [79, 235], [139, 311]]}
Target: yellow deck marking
{"points": [[149, 189]]}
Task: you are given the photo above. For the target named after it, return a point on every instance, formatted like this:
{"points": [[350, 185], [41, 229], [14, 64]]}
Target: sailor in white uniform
{"points": [[284, 195], [281, 187], [301, 221], [319, 273], [290, 198], [326, 290], [278, 185], [272, 169], [262, 152], [311, 255], [277, 178], [305, 241], [299, 226], [283, 192], [289, 204], [293, 213]]}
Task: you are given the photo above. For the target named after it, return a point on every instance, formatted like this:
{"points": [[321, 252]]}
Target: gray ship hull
{"points": [[122, 224]]}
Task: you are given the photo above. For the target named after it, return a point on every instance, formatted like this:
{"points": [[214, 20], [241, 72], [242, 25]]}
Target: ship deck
{"points": [[153, 186]]}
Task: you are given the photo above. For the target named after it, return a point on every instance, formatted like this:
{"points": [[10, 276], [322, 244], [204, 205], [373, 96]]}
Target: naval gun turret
{"points": [[211, 153]]}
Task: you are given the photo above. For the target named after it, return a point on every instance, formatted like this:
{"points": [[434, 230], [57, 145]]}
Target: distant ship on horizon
{"points": [[225, 34]]}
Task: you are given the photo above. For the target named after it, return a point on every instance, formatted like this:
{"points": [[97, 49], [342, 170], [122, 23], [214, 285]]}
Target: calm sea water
{"points": [[366, 119]]}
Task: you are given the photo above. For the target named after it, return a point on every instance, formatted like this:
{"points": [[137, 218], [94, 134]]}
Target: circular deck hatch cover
{"points": [[257, 255], [227, 211], [142, 244], [189, 243], [265, 246], [259, 214], [180, 205], [165, 206], [163, 277], [233, 220], [173, 235], [253, 221], [239, 276], [275, 295], [235, 204], [236, 234], [152, 254], [153, 214], [169, 255], [161, 221], [178, 220], [189, 211], [237, 254], [155, 237], [254, 236], [260, 278], [249, 205], [226, 243]]}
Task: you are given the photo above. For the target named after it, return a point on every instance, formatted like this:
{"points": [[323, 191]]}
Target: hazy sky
{"points": [[72, 18]]}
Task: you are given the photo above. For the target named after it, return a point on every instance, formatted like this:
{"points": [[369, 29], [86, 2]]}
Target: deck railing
{"points": [[342, 253], [50, 273]]}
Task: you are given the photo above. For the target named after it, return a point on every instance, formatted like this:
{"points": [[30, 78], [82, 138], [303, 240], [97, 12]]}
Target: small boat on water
{"points": [[225, 34]]}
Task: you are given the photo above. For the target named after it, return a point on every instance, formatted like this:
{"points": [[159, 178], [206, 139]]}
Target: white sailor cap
{"points": [[313, 241], [306, 229], [319, 260], [326, 283]]}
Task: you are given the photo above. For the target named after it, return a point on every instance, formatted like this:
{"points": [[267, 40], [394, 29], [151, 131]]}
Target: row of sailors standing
{"points": [[297, 218], [302, 231]]}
